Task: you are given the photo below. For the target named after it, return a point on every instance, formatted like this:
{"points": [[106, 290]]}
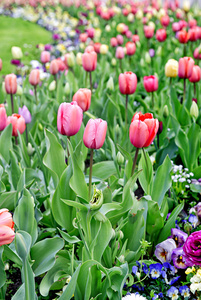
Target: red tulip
{"points": [[130, 48], [127, 83], [150, 83], [18, 124], [161, 35], [143, 129], [193, 34], [185, 67], [54, 67], [11, 84], [45, 57], [3, 117], [196, 74], [148, 31], [7, 235], [69, 118], [6, 218], [83, 98], [119, 52], [34, 77], [183, 36], [97, 47], [89, 61], [95, 133]]}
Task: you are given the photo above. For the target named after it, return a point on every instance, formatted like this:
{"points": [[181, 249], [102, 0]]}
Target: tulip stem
{"points": [[16, 141], [152, 99], [184, 50], [135, 160], [90, 172], [12, 103], [183, 99], [26, 130], [170, 82], [68, 154], [35, 93], [195, 90], [126, 112], [90, 76], [120, 65], [55, 78]]}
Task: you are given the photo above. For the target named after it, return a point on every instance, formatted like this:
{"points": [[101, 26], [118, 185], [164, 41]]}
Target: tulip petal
{"points": [[138, 133], [152, 125]]}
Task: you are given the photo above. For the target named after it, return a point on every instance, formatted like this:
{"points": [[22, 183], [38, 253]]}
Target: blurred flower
{"points": [[171, 68], [25, 113], [127, 83], [3, 117], [11, 84], [16, 52], [83, 98], [18, 124]]}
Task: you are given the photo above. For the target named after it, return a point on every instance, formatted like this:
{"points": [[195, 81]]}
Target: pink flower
{"points": [[3, 117], [11, 84], [185, 67], [83, 98], [148, 31], [130, 48], [34, 77], [69, 118], [18, 124], [45, 57], [6, 218], [196, 74], [113, 42], [119, 52], [95, 133], [161, 35], [150, 83], [89, 61], [127, 83], [7, 235], [54, 67]]}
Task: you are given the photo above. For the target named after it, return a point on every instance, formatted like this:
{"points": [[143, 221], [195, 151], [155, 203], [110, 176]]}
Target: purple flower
{"points": [[56, 36], [164, 250], [178, 258], [155, 270], [134, 269], [48, 47], [192, 249], [178, 236], [173, 293], [15, 62], [184, 291], [193, 219], [151, 52], [25, 113]]}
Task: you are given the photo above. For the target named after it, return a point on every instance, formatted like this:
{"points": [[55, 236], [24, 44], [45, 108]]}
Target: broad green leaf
{"points": [[69, 291], [70, 239], [2, 271], [43, 253], [6, 143], [7, 200], [23, 150], [20, 294], [162, 181], [194, 145], [103, 170], [54, 158], [14, 170], [146, 176], [22, 244], [28, 278], [154, 219], [75, 204], [10, 253]]}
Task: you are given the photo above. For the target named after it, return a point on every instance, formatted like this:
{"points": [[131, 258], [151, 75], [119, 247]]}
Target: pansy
{"points": [[178, 258], [155, 270], [173, 293], [184, 291], [178, 236], [193, 219], [164, 250]]}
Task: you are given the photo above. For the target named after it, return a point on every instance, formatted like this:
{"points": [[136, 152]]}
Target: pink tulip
{"points": [[119, 52], [128, 34], [135, 38], [197, 53], [127, 83], [176, 26], [3, 117], [6, 218], [120, 39], [150, 83], [161, 35], [148, 31], [69, 118], [0, 64], [45, 57], [11, 84], [54, 67], [7, 235], [185, 67], [95, 133], [83, 37], [165, 20], [193, 34], [183, 36], [143, 129], [18, 124], [196, 74], [89, 49], [61, 64], [91, 32], [113, 42], [130, 48], [34, 77], [89, 61], [97, 47], [192, 23], [83, 98]]}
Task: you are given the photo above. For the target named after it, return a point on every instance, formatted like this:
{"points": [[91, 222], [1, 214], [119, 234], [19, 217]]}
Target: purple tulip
{"points": [[192, 249], [151, 52], [25, 113], [164, 250], [178, 258], [48, 47], [15, 62], [178, 236]]}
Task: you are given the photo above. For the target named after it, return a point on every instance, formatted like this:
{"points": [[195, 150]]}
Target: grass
{"points": [[24, 34]]}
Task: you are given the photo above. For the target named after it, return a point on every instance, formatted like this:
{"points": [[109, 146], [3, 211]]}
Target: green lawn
{"points": [[26, 35]]}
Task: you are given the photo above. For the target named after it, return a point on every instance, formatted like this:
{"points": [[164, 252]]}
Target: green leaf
{"points": [[166, 231], [103, 170], [75, 204], [54, 158], [162, 181], [6, 143], [43, 253], [70, 239], [146, 176], [22, 244], [24, 153], [28, 279], [14, 171], [7, 200], [2, 271], [154, 218], [69, 291]]}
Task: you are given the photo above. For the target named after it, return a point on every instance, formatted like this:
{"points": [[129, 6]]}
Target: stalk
{"points": [[184, 95], [90, 76], [126, 112], [90, 172], [12, 103], [135, 160], [152, 99], [67, 149], [35, 93], [194, 89]]}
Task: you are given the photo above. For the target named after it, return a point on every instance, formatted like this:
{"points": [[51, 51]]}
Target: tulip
{"points": [[183, 36], [120, 39], [103, 49], [197, 53], [127, 86], [171, 68], [16, 52], [6, 218], [185, 70], [34, 77], [142, 132], [194, 111], [151, 85], [11, 87], [130, 48], [165, 20], [25, 113], [161, 35], [90, 32], [89, 49], [69, 59], [113, 42], [83, 37], [79, 58], [45, 57], [119, 52], [89, 63], [3, 117], [83, 98], [61, 64], [196, 74], [18, 124], [93, 138], [97, 47], [176, 26], [7, 235], [110, 84], [54, 67], [0, 64], [148, 31]]}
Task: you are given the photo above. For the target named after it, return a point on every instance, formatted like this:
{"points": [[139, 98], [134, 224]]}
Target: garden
{"points": [[100, 174]]}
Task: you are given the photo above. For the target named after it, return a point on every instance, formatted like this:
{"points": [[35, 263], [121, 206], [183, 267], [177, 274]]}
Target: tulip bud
{"points": [[107, 28], [187, 227], [194, 112], [130, 17], [121, 258], [79, 58], [16, 52], [120, 158], [67, 88], [147, 58], [110, 84], [69, 59], [120, 234], [19, 90], [96, 200], [3, 87], [159, 51], [142, 62], [113, 62], [165, 111], [40, 127], [30, 149], [52, 86]]}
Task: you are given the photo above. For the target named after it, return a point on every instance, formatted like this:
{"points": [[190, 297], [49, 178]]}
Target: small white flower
{"points": [[134, 297]]}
